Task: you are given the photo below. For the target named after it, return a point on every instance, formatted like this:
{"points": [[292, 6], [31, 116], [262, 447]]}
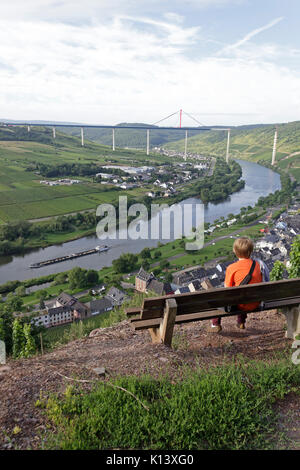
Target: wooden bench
{"points": [[160, 314]]}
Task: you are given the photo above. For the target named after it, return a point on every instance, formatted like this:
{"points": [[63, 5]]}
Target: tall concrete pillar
{"points": [[82, 137], [54, 135], [228, 144], [113, 140], [274, 146], [185, 145], [148, 141]]}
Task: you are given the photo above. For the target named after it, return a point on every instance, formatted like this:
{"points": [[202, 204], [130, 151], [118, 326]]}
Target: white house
{"points": [[231, 221]]}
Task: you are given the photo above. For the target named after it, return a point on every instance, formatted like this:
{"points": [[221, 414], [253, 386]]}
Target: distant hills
{"points": [[130, 138], [251, 142]]}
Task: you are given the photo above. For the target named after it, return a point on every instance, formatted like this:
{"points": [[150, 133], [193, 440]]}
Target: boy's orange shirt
{"points": [[236, 272]]}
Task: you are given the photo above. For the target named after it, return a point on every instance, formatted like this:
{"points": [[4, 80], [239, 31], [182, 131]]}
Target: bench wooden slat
{"points": [[207, 315], [140, 324], [159, 314], [193, 307], [216, 298], [133, 311], [282, 302], [145, 324]]}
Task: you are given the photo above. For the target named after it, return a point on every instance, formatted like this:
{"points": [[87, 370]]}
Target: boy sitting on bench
{"points": [[244, 271]]}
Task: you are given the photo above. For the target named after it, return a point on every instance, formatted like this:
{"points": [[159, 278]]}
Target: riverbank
{"points": [[215, 244], [259, 183], [21, 237]]}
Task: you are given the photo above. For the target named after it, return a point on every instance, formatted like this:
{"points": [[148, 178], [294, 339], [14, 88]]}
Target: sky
{"points": [[225, 62]]}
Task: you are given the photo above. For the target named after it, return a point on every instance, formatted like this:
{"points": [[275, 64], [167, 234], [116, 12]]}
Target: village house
{"points": [[146, 282], [194, 286], [116, 296], [142, 279], [105, 176], [182, 290], [65, 309], [101, 306]]}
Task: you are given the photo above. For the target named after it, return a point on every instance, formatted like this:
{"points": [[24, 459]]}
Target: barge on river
{"points": [[97, 249]]}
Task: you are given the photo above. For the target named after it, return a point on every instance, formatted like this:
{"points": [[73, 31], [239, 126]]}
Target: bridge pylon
{"points": [[228, 144], [275, 146]]}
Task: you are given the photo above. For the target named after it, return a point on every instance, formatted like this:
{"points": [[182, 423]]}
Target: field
{"points": [[22, 197]]}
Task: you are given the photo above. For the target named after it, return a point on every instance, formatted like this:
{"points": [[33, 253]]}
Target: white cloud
{"points": [[90, 10], [133, 69], [250, 35]]}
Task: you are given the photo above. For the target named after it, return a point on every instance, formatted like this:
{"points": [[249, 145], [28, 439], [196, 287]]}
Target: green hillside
{"points": [[21, 154], [253, 143], [130, 138]]}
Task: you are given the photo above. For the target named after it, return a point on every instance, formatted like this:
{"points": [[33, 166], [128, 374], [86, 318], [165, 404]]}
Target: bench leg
{"points": [[164, 333], [155, 335], [292, 315]]}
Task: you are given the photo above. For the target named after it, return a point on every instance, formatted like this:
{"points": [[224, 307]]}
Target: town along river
{"points": [[260, 181]]}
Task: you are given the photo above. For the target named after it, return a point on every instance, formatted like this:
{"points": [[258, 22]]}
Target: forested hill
{"points": [[254, 142], [42, 135], [250, 142], [128, 138]]}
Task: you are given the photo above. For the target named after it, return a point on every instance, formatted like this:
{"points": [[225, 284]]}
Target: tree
{"points": [[2, 329], [77, 278], [294, 270], [277, 272], [60, 279], [42, 294], [92, 277], [7, 321], [125, 263], [29, 347], [20, 291], [164, 264], [14, 303], [146, 253], [146, 264], [18, 339]]}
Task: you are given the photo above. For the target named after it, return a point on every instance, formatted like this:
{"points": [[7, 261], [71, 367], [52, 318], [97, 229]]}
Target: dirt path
{"points": [[123, 351], [291, 155]]}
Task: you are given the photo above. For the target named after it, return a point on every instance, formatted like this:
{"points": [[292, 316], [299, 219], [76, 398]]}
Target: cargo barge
{"points": [[97, 249]]}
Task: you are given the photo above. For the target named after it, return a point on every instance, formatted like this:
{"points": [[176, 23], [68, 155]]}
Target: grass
{"points": [[226, 407], [221, 248]]}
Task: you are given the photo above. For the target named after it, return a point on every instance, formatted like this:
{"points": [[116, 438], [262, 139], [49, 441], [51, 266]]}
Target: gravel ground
{"points": [[123, 351]]}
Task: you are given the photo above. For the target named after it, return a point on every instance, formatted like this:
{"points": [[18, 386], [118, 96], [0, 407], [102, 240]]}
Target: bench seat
{"points": [[160, 314]]}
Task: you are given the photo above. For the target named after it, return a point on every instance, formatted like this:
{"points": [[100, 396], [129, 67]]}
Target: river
{"points": [[260, 181]]}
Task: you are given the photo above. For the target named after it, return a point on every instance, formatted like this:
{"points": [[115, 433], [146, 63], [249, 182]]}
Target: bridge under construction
{"points": [[152, 127]]}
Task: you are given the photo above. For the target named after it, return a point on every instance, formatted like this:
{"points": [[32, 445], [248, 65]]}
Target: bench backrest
{"points": [[193, 302]]}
